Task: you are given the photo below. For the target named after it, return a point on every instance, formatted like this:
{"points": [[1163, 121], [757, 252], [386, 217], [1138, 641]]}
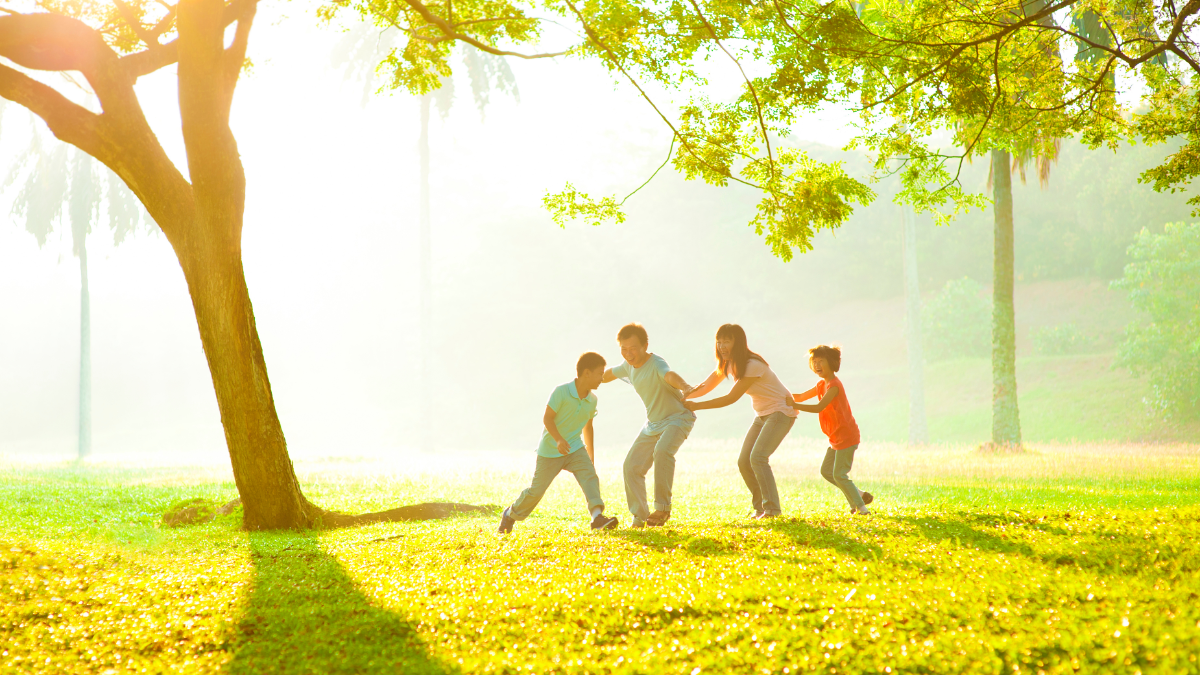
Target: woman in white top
{"points": [[773, 416]]}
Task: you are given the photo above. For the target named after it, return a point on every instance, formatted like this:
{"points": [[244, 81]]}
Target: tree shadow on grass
{"points": [[806, 534], [663, 540], [305, 615]]}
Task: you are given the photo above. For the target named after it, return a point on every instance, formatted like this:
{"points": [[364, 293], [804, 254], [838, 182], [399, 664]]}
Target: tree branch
{"points": [[68, 121], [156, 58], [450, 32]]}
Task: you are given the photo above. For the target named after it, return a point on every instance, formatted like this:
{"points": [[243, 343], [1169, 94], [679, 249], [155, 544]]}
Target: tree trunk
{"points": [[1006, 422], [85, 354], [426, 252], [918, 429]]}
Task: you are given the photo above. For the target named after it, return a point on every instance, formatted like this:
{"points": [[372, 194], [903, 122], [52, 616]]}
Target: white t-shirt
{"points": [[768, 393]]}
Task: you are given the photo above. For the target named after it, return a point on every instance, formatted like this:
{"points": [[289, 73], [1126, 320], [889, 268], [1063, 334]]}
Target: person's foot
{"points": [[637, 524], [603, 522], [764, 515], [506, 523], [862, 511], [754, 514], [867, 497], [658, 518]]}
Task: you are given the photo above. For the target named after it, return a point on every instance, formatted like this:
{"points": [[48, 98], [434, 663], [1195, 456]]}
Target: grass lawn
{"points": [[1071, 558]]}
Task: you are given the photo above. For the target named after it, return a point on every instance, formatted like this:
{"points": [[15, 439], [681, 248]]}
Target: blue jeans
{"points": [[763, 438], [659, 452], [836, 470], [547, 469]]}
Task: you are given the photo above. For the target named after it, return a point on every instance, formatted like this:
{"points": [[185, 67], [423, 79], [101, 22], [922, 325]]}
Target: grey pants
{"points": [[547, 470], [763, 438], [836, 470], [659, 452]]}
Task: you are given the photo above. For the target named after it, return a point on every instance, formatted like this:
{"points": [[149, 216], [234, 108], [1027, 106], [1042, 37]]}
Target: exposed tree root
{"points": [[427, 511], [196, 511]]}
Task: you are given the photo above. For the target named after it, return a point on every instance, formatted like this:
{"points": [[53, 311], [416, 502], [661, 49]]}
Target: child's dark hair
{"points": [[589, 361], [832, 355], [633, 329]]}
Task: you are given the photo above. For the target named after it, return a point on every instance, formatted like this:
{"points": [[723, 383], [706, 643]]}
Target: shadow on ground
{"points": [[305, 615]]}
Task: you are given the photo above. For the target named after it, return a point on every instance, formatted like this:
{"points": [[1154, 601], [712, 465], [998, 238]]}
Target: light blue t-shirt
{"points": [[664, 403], [571, 415]]}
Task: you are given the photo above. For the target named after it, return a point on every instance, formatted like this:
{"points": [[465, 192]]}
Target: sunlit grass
{"points": [[1070, 558]]}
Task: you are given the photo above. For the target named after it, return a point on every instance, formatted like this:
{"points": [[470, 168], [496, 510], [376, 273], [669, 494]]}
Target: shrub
{"points": [[1062, 339], [958, 321], [1163, 281]]}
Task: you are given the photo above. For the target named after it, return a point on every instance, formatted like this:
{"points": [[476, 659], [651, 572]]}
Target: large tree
{"points": [[112, 45], [933, 85]]}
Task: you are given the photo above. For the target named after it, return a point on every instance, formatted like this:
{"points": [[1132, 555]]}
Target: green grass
{"points": [[1071, 558]]}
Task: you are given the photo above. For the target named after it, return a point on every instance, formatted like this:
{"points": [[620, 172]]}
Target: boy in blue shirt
{"points": [[568, 430]]}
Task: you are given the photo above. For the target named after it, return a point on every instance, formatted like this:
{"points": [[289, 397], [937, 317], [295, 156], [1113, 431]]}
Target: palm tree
{"points": [[59, 177], [358, 53], [918, 427]]}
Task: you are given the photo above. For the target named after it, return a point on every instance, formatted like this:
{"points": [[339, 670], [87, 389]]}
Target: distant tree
{"points": [[60, 185], [1163, 282], [359, 52]]}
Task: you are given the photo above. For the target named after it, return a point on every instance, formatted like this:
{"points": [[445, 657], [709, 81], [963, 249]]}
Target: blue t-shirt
{"points": [[571, 415], [664, 403]]}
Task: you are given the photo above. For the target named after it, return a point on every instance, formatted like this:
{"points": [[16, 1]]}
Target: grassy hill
{"points": [[1062, 398]]}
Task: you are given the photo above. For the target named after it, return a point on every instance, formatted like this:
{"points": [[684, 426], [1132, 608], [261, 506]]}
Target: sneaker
{"points": [[867, 497], [637, 524], [754, 514], [864, 511], [506, 523], [763, 515], [603, 522], [658, 518]]}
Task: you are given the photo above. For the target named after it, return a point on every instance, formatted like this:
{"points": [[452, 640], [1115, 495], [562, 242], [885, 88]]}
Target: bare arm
{"points": [[805, 396], [608, 376], [820, 405], [589, 441], [676, 381], [734, 394], [705, 386], [548, 420]]}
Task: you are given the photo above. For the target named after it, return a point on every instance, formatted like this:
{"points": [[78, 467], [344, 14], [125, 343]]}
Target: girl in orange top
{"points": [[837, 422]]}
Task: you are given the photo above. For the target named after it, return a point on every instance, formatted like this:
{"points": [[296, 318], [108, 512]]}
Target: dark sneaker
{"points": [[868, 497], [603, 522], [506, 523], [658, 518]]}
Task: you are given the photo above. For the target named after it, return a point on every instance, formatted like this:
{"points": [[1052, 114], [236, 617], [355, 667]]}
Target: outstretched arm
{"points": [[734, 394], [676, 381], [805, 396], [608, 376], [548, 420], [820, 405], [705, 386]]}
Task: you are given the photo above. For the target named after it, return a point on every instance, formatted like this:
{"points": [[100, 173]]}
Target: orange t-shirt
{"points": [[837, 422]]}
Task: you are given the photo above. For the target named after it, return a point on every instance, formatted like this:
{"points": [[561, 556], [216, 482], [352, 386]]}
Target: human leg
{"points": [[580, 466], [774, 429], [827, 465], [547, 468], [664, 465], [744, 464], [637, 464], [841, 477]]}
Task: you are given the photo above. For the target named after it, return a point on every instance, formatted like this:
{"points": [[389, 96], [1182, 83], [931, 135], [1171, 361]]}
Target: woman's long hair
{"points": [[739, 356]]}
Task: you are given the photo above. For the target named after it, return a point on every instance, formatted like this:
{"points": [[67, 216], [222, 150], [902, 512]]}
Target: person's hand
{"points": [[564, 448], [686, 392], [789, 402], [690, 405]]}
